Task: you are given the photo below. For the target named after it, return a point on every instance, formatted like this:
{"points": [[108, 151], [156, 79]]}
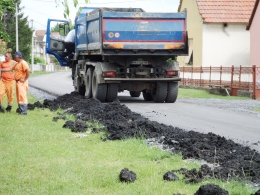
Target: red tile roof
{"points": [[40, 34], [228, 11]]}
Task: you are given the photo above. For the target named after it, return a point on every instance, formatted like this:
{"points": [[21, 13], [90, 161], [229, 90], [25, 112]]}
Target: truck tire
{"points": [[112, 90], [135, 93], [82, 89], [147, 96], [172, 93], [77, 86], [99, 91], [160, 92], [88, 82]]}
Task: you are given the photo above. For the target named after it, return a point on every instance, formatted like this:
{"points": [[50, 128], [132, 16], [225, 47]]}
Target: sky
{"points": [[38, 11]]}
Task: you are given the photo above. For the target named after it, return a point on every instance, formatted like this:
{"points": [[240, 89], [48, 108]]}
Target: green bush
{"points": [[37, 60], [55, 61]]}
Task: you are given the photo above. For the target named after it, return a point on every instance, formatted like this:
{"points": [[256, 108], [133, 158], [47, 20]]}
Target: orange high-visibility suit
{"points": [[20, 70], [7, 82]]}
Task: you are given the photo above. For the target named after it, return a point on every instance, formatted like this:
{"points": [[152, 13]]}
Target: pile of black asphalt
{"points": [[224, 158]]}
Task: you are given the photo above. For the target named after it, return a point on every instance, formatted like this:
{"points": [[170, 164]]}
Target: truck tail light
{"points": [[172, 73], [109, 74]]}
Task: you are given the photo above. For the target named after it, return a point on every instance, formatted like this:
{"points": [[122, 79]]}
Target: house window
{"points": [[188, 60]]}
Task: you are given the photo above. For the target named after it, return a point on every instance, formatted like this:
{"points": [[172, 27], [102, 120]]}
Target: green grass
{"points": [[38, 156], [196, 93], [256, 109], [38, 73]]}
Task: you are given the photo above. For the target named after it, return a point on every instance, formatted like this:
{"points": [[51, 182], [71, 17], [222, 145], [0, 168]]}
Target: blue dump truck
{"points": [[119, 49]]}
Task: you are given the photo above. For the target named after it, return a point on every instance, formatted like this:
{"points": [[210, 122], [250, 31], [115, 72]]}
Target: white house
{"points": [[39, 45], [217, 32]]}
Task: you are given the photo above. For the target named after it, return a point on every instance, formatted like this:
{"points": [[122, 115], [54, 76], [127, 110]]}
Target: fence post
{"points": [[239, 79], [183, 76], [254, 82], [232, 73], [200, 75], [192, 76], [220, 75], [209, 74]]}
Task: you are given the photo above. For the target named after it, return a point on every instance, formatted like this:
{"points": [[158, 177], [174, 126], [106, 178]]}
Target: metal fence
{"points": [[48, 68], [236, 78]]}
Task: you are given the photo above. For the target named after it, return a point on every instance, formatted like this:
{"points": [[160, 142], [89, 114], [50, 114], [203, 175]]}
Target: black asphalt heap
{"points": [[230, 160]]}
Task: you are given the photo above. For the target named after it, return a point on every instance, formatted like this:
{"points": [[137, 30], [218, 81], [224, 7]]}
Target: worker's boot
{"points": [[2, 109], [9, 108], [18, 110], [23, 108]]}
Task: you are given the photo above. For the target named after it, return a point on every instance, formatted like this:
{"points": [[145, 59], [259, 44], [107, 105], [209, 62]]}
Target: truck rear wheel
{"points": [[81, 89], [77, 84], [88, 82], [112, 89], [160, 92], [135, 93], [99, 91], [147, 96], [172, 92]]}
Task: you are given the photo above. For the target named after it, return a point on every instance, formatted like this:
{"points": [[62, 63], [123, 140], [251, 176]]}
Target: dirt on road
{"points": [[224, 158]]}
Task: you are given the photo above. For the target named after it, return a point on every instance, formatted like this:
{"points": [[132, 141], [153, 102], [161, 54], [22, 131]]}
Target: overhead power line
{"points": [[72, 3], [47, 1], [39, 23], [114, 2], [37, 11], [80, 4]]}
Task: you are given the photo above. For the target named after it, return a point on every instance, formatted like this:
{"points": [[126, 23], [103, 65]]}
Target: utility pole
{"points": [[17, 45], [32, 57]]}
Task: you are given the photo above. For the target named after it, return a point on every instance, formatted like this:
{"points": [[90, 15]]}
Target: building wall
{"points": [[39, 49], [194, 28], [255, 39], [225, 46]]}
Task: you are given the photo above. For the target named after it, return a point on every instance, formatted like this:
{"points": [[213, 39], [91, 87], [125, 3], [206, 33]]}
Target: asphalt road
{"points": [[241, 128]]}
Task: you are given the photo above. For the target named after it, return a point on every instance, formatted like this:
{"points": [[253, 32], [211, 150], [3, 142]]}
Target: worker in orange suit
{"points": [[7, 82], [21, 74]]}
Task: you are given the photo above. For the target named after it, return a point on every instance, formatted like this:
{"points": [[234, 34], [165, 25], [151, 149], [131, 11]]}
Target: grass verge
{"points": [[38, 156], [197, 93], [38, 73], [256, 109]]}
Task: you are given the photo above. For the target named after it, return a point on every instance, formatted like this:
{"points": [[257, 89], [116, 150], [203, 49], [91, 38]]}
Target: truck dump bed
{"points": [[131, 31]]}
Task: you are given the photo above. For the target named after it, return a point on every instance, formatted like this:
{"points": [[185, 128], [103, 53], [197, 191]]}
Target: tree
{"points": [[61, 28], [5, 7], [66, 11], [24, 33], [2, 46], [55, 28]]}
